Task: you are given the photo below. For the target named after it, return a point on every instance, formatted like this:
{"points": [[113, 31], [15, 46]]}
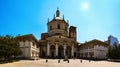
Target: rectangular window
{"points": [[50, 27], [58, 26]]}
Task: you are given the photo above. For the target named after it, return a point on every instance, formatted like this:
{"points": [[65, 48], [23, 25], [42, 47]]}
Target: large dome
{"points": [[58, 26]]}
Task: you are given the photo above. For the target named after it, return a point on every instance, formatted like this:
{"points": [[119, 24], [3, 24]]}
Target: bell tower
{"points": [[72, 32]]}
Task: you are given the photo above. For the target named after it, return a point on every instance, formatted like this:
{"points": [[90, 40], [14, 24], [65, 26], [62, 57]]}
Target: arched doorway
{"points": [[68, 51], [60, 51], [43, 53], [52, 51]]}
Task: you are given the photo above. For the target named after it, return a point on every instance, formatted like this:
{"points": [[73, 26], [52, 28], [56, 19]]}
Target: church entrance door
{"points": [[52, 51], [60, 51], [68, 51]]}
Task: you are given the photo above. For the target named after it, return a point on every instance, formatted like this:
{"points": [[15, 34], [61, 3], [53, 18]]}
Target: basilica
{"points": [[60, 39]]}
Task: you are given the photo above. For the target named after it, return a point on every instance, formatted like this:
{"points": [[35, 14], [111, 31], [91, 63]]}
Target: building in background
{"points": [[94, 49], [29, 46], [112, 40], [59, 42]]}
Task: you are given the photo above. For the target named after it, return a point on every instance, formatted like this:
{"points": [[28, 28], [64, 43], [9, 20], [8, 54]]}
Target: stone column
{"points": [[64, 50], [48, 49], [72, 50], [56, 50]]}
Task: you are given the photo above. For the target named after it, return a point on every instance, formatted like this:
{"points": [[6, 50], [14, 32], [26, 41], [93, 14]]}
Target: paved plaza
{"points": [[54, 63]]}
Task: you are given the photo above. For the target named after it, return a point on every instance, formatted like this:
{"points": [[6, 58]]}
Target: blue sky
{"points": [[98, 20]]}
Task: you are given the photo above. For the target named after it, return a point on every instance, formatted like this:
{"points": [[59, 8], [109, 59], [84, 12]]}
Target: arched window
{"points": [[58, 26]]}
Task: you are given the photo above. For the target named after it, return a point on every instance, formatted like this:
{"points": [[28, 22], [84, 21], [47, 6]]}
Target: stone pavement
{"points": [[54, 63]]}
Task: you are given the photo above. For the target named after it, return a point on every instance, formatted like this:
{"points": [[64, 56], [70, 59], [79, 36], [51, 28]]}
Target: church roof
{"points": [[28, 37], [58, 20], [95, 42]]}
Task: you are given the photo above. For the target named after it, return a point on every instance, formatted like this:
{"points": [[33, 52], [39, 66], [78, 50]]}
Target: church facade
{"points": [[60, 39]]}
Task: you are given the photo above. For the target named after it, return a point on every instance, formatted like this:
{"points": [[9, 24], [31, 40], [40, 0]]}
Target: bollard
{"points": [[68, 61], [46, 60], [58, 61], [81, 60], [89, 60]]}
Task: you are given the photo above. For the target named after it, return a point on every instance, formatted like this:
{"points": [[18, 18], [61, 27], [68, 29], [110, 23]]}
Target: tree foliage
{"points": [[8, 47], [114, 52]]}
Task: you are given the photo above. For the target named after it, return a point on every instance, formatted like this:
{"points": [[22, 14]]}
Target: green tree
{"points": [[8, 47], [114, 52]]}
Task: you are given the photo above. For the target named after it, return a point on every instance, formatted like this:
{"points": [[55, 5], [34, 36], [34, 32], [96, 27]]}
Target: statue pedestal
{"points": [[66, 58]]}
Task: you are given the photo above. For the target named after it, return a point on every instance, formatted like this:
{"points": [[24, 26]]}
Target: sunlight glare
{"points": [[85, 6]]}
